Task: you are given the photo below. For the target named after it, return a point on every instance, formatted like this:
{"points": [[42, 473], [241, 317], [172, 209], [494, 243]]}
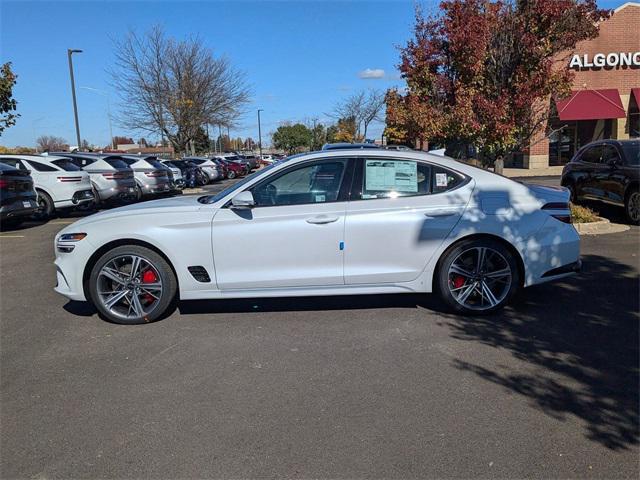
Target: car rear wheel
{"points": [[632, 207], [45, 207], [478, 277], [231, 174], [132, 284]]}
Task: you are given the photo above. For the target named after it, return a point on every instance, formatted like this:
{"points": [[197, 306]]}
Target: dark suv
{"points": [[606, 171]]}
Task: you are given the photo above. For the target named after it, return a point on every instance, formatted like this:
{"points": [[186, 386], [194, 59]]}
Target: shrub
{"points": [[582, 214]]}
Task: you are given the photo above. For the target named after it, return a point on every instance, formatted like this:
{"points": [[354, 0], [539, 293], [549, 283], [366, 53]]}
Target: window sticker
{"points": [[441, 180], [391, 176], [320, 198]]}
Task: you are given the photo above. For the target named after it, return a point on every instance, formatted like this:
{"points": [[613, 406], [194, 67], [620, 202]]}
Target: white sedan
{"points": [[337, 222]]}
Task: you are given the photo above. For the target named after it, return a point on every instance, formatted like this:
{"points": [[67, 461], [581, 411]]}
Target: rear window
{"points": [[129, 161], [231, 158], [196, 161], [632, 153], [116, 162], [41, 167], [155, 163], [66, 165]]}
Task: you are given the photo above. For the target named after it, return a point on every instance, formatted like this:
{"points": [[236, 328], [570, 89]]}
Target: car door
{"points": [[400, 212], [614, 184], [596, 172], [293, 235]]}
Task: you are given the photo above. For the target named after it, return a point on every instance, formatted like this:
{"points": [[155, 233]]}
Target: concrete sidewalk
{"points": [[535, 172]]}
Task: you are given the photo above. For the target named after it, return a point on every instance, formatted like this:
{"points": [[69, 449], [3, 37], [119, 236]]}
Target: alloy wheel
{"points": [[479, 278], [129, 286]]}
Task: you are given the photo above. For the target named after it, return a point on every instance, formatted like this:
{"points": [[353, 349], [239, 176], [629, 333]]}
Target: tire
{"points": [[632, 206], [499, 274], [46, 208], [573, 196], [231, 175], [152, 303]]}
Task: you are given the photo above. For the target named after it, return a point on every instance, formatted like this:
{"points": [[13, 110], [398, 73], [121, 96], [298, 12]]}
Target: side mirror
{"points": [[243, 200]]}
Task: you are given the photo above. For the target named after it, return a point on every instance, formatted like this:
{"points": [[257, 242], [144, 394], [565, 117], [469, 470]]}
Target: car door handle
{"points": [[440, 213], [321, 219]]}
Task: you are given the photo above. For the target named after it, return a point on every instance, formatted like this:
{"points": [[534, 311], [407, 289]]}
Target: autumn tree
{"points": [[175, 86], [51, 143], [347, 130], [482, 71], [7, 103], [117, 140]]}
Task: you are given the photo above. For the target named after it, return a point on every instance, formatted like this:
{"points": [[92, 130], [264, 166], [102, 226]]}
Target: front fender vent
{"points": [[199, 273]]}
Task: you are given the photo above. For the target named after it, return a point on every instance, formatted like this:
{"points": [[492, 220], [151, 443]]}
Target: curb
{"points": [[599, 227]]}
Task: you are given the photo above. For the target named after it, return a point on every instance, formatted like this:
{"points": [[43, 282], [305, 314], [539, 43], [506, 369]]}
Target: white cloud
{"points": [[371, 73]]}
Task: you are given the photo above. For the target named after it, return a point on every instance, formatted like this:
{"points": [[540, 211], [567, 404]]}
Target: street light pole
{"points": [[73, 93], [259, 133]]}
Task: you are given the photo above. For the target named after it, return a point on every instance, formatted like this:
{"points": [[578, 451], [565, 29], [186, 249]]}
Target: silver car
{"points": [[111, 177], [151, 176]]}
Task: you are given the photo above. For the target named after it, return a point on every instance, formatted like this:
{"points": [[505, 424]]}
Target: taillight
{"points": [[4, 183], [560, 211], [117, 175], [69, 179], [156, 173]]}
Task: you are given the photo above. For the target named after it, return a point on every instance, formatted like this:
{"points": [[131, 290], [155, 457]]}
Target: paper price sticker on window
{"points": [[441, 180], [391, 176]]}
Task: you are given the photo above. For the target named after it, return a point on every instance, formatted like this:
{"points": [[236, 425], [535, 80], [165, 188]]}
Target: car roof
{"points": [[349, 146], [35, 158]]}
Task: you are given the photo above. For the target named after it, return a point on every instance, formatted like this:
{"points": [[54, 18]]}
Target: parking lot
{"points": [[371, 386]]}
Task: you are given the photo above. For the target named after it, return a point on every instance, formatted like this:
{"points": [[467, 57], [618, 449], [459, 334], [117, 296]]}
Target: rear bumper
{"points": [[573, 267], [18, 208], [80, 197], [156, 188]]}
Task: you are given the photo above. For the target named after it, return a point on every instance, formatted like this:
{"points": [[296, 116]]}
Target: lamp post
{"points": [[73, 92], [106, 95], [260, 133]]}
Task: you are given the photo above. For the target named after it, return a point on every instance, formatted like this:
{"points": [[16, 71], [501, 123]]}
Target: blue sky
{"points": [[300, 57]]}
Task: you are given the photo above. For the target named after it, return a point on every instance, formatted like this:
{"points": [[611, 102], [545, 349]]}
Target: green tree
{"points": [[292, 138], [7, 103], [202, 143]]}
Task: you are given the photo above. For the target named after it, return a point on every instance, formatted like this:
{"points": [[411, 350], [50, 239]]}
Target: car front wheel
{"points": [[478, 277], [132, 284], [632, 207]]}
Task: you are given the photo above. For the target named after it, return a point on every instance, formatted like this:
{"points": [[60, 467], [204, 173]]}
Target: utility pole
{"points": [[259, 133], [73, 93]]}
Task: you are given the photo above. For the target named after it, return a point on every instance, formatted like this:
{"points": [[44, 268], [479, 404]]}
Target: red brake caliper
{"points": [[457, 281], [149, 277]]}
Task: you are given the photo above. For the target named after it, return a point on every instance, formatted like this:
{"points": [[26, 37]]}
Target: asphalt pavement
{"points": [[384, 386]]}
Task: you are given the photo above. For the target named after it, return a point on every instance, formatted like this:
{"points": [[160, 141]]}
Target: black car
{"points": [[18, 198], [191, 173], [606, 171]]}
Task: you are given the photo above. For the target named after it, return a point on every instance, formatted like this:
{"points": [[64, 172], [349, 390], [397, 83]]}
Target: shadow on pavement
{"points": [[581, 338]]}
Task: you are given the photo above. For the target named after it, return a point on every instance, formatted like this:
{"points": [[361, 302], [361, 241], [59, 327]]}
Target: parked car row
{"points": [[39, 185]]}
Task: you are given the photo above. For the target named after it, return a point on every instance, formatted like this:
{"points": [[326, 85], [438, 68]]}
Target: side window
{"points": [[610, 153], [383, 178], [41, 167], [318, 182], [592, 154]]}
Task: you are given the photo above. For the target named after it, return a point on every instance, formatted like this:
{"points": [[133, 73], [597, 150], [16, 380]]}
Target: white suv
{"points": [[58, 182]]}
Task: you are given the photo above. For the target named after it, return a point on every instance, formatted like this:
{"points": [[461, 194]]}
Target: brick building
{"points": [[605, 94]]}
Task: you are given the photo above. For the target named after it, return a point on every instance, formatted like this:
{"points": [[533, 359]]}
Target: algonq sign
{"points": [[613, 60]]}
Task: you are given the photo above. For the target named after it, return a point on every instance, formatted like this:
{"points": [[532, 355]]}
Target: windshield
{"points": [[66, 165], [244, 181]]}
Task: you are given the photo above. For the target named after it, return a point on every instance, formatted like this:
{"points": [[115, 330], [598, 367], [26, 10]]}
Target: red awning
{"points": [[591, 105], [636, 93]]}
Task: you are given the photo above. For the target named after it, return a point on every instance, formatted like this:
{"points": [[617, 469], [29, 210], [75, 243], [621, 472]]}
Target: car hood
{"points": [[187, 203], [548, 194]]}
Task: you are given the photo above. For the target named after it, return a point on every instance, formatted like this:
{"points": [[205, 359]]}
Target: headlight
{"points": [[66, 240], [72, 237]]}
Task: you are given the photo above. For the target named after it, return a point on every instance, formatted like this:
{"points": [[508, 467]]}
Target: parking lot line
{"points": [[11, 236]]}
